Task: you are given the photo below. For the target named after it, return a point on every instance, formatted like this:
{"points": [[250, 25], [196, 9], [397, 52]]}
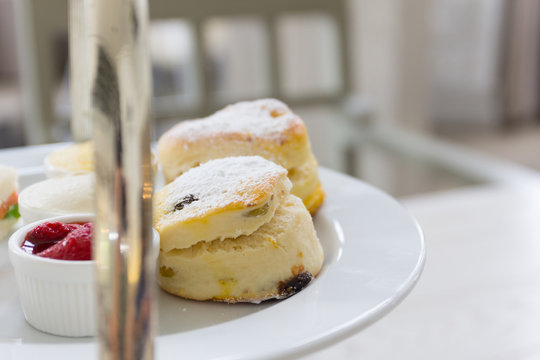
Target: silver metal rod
{"points": [[116, 54]]}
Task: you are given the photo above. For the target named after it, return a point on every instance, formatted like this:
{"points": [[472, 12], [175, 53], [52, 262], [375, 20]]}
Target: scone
{"points": [[273, 253], [223, 199], [266, 127], [76, 159]]}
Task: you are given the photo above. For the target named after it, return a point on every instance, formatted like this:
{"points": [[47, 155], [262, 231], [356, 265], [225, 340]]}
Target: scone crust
{"points": [[314, 201]]}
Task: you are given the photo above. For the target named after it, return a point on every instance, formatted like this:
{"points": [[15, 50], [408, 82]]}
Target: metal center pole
{"points": [[119, 94]]}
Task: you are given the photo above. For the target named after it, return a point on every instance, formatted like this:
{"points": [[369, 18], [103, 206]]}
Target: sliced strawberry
{"points": [[76, 246]]}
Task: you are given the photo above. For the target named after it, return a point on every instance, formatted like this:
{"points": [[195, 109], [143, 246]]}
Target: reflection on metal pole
{"points": [[118, 74]]}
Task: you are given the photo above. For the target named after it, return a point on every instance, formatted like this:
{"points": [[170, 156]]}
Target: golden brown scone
{"points": [[266, 127], [77, 159], [315, 200], [220, 199], [306, 184], [276, 261], [74, 159]]}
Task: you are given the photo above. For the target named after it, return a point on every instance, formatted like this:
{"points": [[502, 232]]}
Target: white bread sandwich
{"points": [[57, 196], [9, 211]]}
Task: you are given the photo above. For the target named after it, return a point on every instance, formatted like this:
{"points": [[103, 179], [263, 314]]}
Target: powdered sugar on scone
{"points": [[235, 182], [219, 199], [265, 118]]}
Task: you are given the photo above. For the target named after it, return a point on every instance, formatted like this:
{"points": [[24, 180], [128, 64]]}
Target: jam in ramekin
{"points": [[56, 240]]}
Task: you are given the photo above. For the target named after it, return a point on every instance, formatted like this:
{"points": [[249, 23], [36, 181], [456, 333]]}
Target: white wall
{"points": [[465, 62], [390, 57], [8, 60]]}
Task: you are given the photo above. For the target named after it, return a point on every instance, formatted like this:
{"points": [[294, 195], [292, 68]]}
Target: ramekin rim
{"points": [[16, 239]]}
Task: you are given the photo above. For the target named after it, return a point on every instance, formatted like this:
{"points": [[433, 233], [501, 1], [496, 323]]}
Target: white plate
{"points": [[374, 255]]}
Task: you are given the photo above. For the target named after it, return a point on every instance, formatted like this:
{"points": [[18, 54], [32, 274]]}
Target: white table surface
{"points": [[479, 295]]}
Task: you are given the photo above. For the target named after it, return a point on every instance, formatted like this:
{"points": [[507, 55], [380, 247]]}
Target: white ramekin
{"points": [[57, 296]]}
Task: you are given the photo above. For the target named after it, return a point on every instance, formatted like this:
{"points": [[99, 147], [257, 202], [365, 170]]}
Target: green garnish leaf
{"points": [[13, 212]]}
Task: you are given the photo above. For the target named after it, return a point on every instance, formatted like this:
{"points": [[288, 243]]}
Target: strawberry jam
{"points": [[60, 241]]}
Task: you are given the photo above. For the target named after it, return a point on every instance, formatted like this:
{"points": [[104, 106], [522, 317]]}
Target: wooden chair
{"points": [[39, 22]]}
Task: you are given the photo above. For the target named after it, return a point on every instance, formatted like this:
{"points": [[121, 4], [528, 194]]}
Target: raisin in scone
{"points": [[266, 128], [272, 250]]}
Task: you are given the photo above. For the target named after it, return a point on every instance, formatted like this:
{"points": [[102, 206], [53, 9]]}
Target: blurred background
{"points": [[413, 96]]}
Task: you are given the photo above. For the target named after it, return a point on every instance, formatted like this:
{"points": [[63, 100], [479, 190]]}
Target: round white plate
{"points": [[374, 255]]}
